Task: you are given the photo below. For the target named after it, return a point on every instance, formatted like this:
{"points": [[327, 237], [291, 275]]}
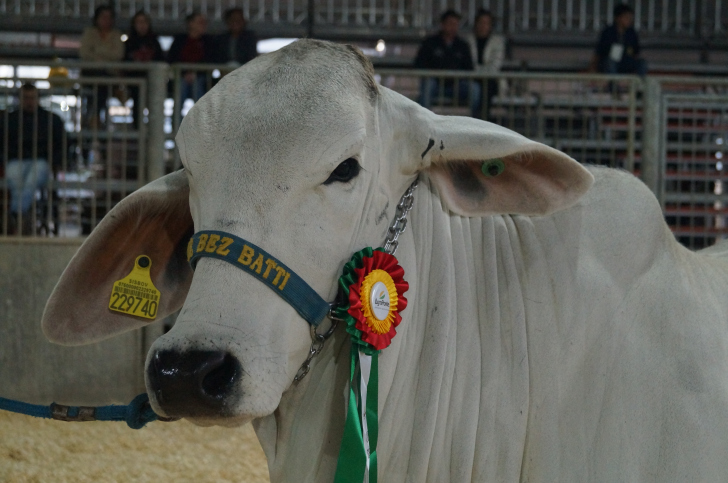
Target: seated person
{"points": [[489, 51], [192, 48], [447, 51], [100, 43], [238, 45], [618, 49], [141, 46], [29, 155]]}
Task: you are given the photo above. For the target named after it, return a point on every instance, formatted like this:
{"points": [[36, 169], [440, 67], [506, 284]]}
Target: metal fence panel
{"points": [[668, 131], [694, 178], [61, 180], [593, 118]]}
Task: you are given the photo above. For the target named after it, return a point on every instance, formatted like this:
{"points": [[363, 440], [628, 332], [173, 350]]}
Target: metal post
{"points": [[157, 93], [311, 18], [652, 141], [629, 165]]}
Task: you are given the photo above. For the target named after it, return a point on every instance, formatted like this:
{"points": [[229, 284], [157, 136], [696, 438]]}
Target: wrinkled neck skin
{"points": [[531, 351], [301, 439]]}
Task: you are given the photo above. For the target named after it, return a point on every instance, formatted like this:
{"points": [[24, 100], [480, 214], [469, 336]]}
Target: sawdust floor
{"points": [[41, 450]]}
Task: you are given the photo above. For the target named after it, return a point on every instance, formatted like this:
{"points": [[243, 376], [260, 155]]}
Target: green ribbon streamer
{"points": [[373, 417], [352, 461]]}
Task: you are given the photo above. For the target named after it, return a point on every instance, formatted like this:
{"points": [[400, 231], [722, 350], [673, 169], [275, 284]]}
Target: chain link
{"points": [[317, 344], [399, 224], [391, 242]]}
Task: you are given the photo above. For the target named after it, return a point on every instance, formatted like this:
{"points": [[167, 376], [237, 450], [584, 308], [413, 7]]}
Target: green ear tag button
{"points": [[492, 168], [135, 294]]}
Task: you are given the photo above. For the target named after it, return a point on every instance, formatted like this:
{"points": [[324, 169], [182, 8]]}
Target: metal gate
{"points": [[692, 170]]}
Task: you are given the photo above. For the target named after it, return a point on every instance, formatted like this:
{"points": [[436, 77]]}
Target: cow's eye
{"points": [[344, 172]]}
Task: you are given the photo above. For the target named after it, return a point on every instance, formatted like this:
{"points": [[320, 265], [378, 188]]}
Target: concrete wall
{"points": [[36, 371]]}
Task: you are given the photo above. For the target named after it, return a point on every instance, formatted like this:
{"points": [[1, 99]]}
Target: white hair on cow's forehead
{"points": [[277, 103], [336, 63]]}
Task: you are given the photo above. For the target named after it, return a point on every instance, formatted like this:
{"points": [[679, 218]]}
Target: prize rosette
{"points": [[373, 289]]}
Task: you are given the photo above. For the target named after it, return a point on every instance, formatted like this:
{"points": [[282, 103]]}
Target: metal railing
{"points": [[703, 18], [668, 131], [591, 117], [64, 165], [690, 179]]}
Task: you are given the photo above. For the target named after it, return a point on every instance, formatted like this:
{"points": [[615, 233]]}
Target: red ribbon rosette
{"points": [[373, 285]]}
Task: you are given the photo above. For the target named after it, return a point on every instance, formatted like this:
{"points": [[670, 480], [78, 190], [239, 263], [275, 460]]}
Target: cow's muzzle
{"points": [[195, 383]]}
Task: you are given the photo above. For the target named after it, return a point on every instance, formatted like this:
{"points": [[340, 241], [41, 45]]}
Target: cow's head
{"points": [[301, 153]]}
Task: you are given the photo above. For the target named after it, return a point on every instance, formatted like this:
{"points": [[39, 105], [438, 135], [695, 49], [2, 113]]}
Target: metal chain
{"points": [[399, 225], [391, 242], [317, 344]]}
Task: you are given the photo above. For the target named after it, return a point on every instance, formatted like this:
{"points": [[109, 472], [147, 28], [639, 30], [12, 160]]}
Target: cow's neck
{"points": [[450, 387]]}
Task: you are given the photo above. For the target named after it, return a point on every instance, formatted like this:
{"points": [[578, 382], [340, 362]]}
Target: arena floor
{"points": [[39, 450]]}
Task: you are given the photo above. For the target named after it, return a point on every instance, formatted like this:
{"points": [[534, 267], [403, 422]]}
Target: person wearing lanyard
{"points": [[618, 49]]}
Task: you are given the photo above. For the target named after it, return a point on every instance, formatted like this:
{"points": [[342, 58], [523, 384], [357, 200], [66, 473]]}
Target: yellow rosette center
{"points": [[379, 301]]}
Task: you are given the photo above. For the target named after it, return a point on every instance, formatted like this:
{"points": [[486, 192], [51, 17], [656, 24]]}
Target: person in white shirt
{"points": [[488, 50]]}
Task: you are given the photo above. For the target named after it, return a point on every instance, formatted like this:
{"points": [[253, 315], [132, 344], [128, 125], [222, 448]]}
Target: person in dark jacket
{"points": [[238, 45], [35, 142], [141, 46], [618, 49], [447, 51], [194, 47]]}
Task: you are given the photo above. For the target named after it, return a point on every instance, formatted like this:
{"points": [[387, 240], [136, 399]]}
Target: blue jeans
{"points": [[431, 90], [25, 177], [628, 65]]}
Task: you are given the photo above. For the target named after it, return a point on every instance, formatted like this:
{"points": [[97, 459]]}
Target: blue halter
{"points": [[258, 263], [264, 267]]}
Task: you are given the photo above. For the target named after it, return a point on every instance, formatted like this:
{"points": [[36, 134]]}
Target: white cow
{"points": [[555, 332]]}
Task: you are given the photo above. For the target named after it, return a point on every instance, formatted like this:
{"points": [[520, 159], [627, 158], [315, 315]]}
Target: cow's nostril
{"points": [[219, 382], [194, 383]]}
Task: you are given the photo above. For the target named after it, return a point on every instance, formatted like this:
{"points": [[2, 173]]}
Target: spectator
{"points": [[191, 48], [446, 51], [618, 49], [141, 46], [238, 45], [35, 140], [101, 43], [489, 51]]}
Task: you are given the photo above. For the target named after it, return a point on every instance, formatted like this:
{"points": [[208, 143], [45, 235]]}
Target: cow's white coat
{"points": [[585, 345]]}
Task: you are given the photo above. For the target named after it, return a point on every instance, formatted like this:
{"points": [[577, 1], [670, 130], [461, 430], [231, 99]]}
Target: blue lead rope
{"points": [[208, 243], [136, 414]]}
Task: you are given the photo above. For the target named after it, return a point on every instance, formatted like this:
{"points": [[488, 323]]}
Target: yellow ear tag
{"points": [[135, 294]]}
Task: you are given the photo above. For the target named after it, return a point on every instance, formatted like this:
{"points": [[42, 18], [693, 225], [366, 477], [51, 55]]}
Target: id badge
{"points": [[616, 52]]}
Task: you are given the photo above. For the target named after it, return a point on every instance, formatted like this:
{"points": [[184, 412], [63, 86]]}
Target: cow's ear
{"points": [[481, 168], [153, 221]]}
